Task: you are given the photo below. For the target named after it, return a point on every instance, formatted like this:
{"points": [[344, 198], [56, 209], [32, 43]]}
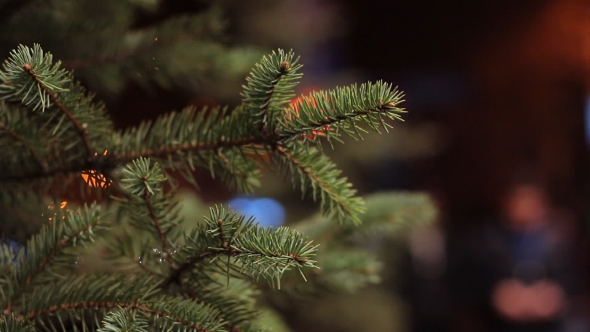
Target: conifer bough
{"points": [[54, 136]]}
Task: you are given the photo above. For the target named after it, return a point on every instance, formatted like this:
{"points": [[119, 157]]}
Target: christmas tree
{"points": [[75, 186]]}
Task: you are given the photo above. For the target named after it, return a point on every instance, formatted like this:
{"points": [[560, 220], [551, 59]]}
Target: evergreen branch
{"points": [[315, 170], [28, 68], [84, 291], [123, 321], [32, 79], [22, 131], [165, 314], [330, 112], [192, 261], [7, 259], [97, 293], [7, 256], [20, 85], [113, 160], [270, 88], [10, 323], [178, 140], [260, 251], [16, 137], [207, 138], [235, 300], [52, 242], [165, 151], [128, 252], [238, 171], [183, 311], [144, 179], [343, 270]]}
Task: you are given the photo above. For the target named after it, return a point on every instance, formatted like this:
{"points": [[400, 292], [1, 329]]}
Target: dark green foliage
{"points": [[57, 142]]}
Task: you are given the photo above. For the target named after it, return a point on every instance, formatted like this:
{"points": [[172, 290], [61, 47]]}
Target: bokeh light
{"points": [[267, 211]]}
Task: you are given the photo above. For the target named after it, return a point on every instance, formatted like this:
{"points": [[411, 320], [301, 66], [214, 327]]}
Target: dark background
{"points": [[507, 79]]}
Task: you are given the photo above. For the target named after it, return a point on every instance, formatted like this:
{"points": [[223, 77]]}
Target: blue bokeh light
{"points": [[267, 211]]}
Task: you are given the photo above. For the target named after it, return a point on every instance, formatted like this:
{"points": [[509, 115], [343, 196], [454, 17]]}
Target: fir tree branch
{"points": [[7, 257], [153, 309], [96, 293], [28, 68], [128, 252], [124, 321], [235, 299], [332, 112], [19, 86], [176, 275], [270, 88], [11, 323], [344, 269], [28, 147], [315, 170], [50, 243], [196, 147], [113, 160], [143, 180], [259, 251]]}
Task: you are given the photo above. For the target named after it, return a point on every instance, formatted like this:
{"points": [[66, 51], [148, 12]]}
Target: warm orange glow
{"points": [[61, 205], [94, 179]]}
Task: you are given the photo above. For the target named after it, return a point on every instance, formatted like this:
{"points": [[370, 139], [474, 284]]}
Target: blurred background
{"points": [[497, 131]]}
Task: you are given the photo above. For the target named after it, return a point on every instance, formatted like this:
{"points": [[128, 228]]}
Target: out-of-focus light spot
{"points": [[267, 211]]}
